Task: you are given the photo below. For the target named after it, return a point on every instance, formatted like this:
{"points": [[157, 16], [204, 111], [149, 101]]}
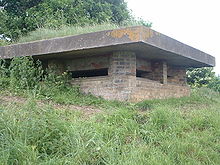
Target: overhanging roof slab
{"points": [[144, 41]]}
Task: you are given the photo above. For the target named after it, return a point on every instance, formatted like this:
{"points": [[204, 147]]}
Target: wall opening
{"points": [[143, 74], [90, 73]]}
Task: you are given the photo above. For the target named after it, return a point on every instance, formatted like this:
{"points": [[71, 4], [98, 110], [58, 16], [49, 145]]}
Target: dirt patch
{"points": [[12, 99], [87, 111]]}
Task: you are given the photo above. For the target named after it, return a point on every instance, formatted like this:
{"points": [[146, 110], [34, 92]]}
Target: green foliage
{"points": [[3, 18], [215, 84], [138, 21], [200, 76], [25, 76], [173, 131], [4, 81], [18, 7], [25, 73], [20, 17], [4, 43], [203, 77], [3, 68], [47, 33]]}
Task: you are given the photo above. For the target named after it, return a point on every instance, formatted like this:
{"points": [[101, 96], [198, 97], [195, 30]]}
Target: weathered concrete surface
{"points": [[145, 42], [143, 89], [159, 80]]}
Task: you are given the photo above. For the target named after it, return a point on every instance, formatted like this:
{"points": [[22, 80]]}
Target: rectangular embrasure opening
{"points": [[143, 74], [90, 73]]}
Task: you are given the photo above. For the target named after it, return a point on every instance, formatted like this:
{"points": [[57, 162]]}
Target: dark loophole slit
{"points": [[90, 73]]}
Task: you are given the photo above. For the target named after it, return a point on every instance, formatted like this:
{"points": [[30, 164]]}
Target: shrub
{"points": [[3, 68], [215, 84], [4, 80], [25, 73], [203, 77]]}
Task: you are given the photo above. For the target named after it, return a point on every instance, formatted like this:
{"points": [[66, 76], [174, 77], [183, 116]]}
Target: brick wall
{"points": [[144, 89], [122, 70], [159, 71], [98, 86], [122, 63], [149, 89], [121, 82], [105, 87], [176, 75], [87, 63]]}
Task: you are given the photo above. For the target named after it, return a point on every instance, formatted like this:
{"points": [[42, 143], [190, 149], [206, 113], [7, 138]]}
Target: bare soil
{"points": [[87, 111]]}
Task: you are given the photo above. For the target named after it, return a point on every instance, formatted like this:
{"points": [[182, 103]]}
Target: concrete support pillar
{"points": [[177, 75], [122, 63], [164, 72], [57, 66], [122, 70], [160, 71]]}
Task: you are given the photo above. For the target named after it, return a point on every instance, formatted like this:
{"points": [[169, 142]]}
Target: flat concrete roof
{"points": [[146, 42]]}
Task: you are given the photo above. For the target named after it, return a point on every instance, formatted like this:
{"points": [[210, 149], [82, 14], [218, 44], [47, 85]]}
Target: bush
{"points": [[25, 73], [3, 68], [3, 43], [4, 80], [203, 77], [215, 84]]}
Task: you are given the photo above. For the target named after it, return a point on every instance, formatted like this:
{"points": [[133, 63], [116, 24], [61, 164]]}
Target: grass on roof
{"points": [[45, 33]]}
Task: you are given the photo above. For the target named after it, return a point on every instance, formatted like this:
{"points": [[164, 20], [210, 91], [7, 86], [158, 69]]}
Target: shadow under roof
{"points": [[146, 42]]}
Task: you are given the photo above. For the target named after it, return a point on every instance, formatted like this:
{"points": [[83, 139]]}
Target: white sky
{"points": [[193, 22]]}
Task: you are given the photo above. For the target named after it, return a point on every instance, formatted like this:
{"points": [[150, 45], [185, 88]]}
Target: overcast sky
{"points": [[193, 22]]}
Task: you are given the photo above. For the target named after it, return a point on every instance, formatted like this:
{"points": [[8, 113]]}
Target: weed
{"points": [[48, 33], [42, 135], [170, 131]]}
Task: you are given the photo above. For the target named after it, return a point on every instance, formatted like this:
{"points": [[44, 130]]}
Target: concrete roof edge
{"points": [[160, 40], [105, 38], [63, 37]]}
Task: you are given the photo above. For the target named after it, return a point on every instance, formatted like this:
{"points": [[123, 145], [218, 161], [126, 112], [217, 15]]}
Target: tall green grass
{"points": [[45, 33], [25, 77], [173, 131], [170, 131]]}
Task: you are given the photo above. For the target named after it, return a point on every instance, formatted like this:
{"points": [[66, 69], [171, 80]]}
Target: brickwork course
{"points": [[128, 64]]}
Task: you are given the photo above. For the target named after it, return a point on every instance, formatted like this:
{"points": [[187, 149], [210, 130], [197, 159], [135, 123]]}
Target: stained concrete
{"points": [[146, 42]]}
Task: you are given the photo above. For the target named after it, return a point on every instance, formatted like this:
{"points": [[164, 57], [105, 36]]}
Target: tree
{"points": [[23, 16], [18, 7], [215, 84], [203, 77]]}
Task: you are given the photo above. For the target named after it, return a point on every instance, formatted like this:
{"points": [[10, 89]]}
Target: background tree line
{"points": [[19, 17], [203, 77]]}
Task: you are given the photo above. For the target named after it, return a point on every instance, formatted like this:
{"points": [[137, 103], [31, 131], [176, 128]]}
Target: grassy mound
{"points": [[38, 131], [48, 33], [171, 131]]}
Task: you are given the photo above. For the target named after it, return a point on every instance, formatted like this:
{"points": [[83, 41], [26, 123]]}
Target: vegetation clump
{"points": [[171, 131], [25, 77], [19, 18], [203, 77], [47, 33]]}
